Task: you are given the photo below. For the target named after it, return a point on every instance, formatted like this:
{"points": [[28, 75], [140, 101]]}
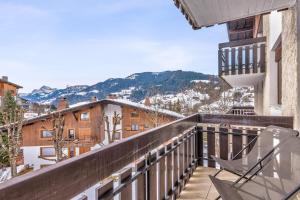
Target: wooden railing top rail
{"points": [[242, 42], [71, 177], [261, 121]]}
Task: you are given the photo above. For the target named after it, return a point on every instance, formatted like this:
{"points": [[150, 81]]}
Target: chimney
{"points": [[5, 78], [63, 104], [147, 101], [94, 99], [112, 96]]}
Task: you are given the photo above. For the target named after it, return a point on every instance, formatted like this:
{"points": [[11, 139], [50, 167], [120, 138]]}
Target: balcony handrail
{"points": [[69, 178], [242, 42], [73, 176]]}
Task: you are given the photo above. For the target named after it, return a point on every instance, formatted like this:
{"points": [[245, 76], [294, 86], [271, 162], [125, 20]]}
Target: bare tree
{"points": [[12, 117], [58, 139], [111, 129]]}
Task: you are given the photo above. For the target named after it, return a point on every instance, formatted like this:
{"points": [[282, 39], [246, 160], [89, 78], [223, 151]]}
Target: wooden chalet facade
{"points": [[6, 86], [85, 128]]}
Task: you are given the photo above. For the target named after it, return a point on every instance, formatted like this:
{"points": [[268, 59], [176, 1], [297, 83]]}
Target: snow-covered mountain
{"points": [[134, 87]]}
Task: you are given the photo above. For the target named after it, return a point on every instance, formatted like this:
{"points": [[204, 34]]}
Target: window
{"points": [[47, 134], [134, 114], [72, 152], [47, 151], [134, 127], [71, 134], [146, 126], [85, 116]]}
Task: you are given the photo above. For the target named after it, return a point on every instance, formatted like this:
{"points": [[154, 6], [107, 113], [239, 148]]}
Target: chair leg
{"points": [[218, 172]]}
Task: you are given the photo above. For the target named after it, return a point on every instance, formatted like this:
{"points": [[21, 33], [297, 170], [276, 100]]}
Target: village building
{"points": [[7, 86], [88, 126]]}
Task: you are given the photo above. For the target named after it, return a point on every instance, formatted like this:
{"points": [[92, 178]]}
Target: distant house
{"points": [[85, 128], [6, 86]]}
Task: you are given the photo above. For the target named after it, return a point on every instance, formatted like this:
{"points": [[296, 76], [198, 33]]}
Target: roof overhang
{"points": [[204, 13], [10, 83]]}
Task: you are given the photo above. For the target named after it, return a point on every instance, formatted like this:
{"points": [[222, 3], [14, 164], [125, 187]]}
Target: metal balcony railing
{"points": [[242, 57], [155, 164]]}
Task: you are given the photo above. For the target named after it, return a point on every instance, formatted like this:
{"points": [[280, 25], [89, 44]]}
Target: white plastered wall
{"points": [[32, 153], [272, 25], [109, 110]]}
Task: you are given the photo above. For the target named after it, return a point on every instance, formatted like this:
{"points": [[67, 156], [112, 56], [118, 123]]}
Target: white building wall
{"points": [[272, 25], [109, 110], [31, 157], [32, 154]]}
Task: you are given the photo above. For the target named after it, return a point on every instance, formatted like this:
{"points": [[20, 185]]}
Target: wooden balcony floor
{"points": [[200, 187]]}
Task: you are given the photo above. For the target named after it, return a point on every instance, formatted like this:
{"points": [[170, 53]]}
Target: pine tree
{"points": [[12, 117]]}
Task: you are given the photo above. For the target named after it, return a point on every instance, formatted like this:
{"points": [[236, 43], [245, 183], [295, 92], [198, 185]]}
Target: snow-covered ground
{"points": [[5, 173]]}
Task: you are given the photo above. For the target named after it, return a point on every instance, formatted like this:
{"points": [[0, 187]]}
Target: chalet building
{"points": [[6, 86], [86, 127]]}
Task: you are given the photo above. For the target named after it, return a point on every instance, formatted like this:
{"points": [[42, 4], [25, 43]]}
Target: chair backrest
{"points": [[281, 175], [268, 139]]}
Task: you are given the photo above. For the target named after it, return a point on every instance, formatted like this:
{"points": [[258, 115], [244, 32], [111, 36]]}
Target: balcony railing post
{"points": [[125, 176], [226, 67], [211, 146], [181, 162], [176, 172], [254, 57], [141, 188], [152, 177], [247, 59], [240, 60], [199, 145], [233, 61], [220, 58], [237, 143], [162, 177], [223, 143], [262, 63], [169, 172]]}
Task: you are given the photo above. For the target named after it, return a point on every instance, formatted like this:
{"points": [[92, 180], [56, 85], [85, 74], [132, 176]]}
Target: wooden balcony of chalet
{"points": [[242, 62], [169, 162]]}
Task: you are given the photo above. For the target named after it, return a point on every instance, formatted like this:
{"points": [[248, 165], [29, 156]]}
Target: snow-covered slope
{"points": [[134, 87]]}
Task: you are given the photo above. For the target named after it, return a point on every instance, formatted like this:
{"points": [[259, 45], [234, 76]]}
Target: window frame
{"points": [[135, 127], [85, 119], [47, 156], [134, 114], [41, 133], [74, 136]]}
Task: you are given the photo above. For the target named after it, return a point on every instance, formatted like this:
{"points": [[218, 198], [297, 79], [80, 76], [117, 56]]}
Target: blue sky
{"points": [[70, 42]]}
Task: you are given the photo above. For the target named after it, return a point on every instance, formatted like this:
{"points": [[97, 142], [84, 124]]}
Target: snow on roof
{"points": [[83, 104], [142, 106], [79, 104]]}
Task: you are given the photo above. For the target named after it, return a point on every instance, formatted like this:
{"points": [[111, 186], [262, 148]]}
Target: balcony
{"points": [[242, 63], [168, 162]]}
